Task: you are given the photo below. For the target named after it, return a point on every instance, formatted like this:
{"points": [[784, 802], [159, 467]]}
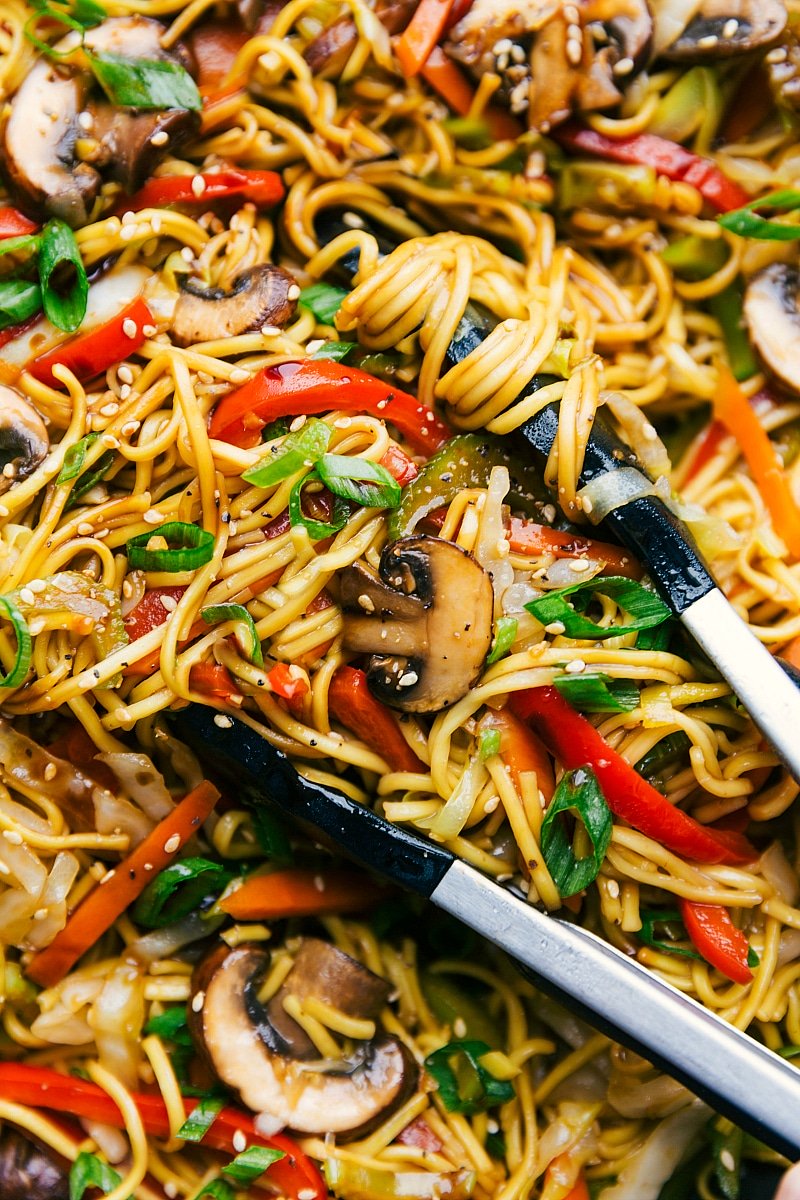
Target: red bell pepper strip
{"points": [[262, 188], [526, 537], [715, 936], [150, 612], [353, 705], [215, 680], [283, 683], [14, 224], [667, 158], [108, 900], [91, 353], [318, 386], [77, 748], [41, 1087], [401, 468], [576, 743]]}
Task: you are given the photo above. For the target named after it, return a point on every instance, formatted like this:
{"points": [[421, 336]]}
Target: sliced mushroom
{"points": [[327, 54], [29, 1171], [773, 319], [425, 618], [723, 28], [259, 1052], [264, 295], [24, 442], [553, 57], [60, 142]]}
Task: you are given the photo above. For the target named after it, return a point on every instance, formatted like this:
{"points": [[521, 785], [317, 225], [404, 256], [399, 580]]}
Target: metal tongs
{"points": [[738, 1076], [646, 525]]}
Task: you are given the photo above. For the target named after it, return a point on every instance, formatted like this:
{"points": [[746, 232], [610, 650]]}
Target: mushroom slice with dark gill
{"points": [[261, 1053], [425, 618], [29, 1171], [62, 138], [264, 295], [24, 443], [773, 320], [723, 28]]}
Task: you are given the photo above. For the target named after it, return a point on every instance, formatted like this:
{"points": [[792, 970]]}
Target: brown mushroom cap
{"points": [[268, 1064], [723, 28], [425, 618], [773, 320], [42, 131], [30, 1172], [261, 296], [24, 442]]}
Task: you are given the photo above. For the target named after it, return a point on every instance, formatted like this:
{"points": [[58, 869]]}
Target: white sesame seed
{"points": [[159, 138], [777, 55], [297, 423], [128, 218], [85, 529], [27, 596], [708, 42], [729, 28], [172, 844], [13, 837], [408, 679], [124, 392], [155, 222], [86, 121], [153, 517], [624, 66], [198, 185], [149, 330], [130, 428], [223, 722], [613, 888], [294, 292], [574, 52], [727, 1160], [319, 883], [3, 510], [109, 410], [148, 866], [352, 220], [307, 1194], [125, 374], [576, 666], [491, 804], [50, 771], [555, 627], [37, 586], [169, 603], [238, 1141], [517, 54], [239, 375], [108, 876], [198, 1000], [502, 47], [130, 328], [460, 1027], [579, 565], [40, 914], [273, 331], [170, 1190]]}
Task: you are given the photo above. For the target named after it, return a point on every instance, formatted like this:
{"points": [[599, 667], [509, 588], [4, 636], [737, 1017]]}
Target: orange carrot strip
{"points": [[455, 89], [521, 749], [301, 893], [108, 901], [423, 31], [732, 408], [526, 537], [353, 705]]}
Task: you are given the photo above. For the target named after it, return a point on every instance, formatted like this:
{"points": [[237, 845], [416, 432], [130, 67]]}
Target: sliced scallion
{"points": [[251, 1163], [633, 598], [19, 300], [201, 1118], [323, 300], [316, 530], [188, 547], [75, 458], [359, 480], [505, 632], [22, 660], [303, 448], [591, 691], [246, 634], [578, 793], [62, 276]]}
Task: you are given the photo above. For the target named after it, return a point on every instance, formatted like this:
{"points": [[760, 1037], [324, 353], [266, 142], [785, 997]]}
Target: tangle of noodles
{"points": [[614, 296]]}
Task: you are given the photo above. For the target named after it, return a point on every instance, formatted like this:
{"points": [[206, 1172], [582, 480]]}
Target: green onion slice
{"points": [[89, 478], [200, 1120], [505, 632], [26, 242], [62, 276], [633, 598], [747, 222], [359, 480], [669, 922], [22, 661], [88, 1171], [301, 449], [594, 692], [171, 1025], [727, 1145], [75, 458], [19, 300], [316, 529], [489, 743], [144, 83], [578, 793], [338, 351], [323, 300], [178, 890], [217, 1189], [188, 547], [251, 1163], [465, 1086], [246, 634]]}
